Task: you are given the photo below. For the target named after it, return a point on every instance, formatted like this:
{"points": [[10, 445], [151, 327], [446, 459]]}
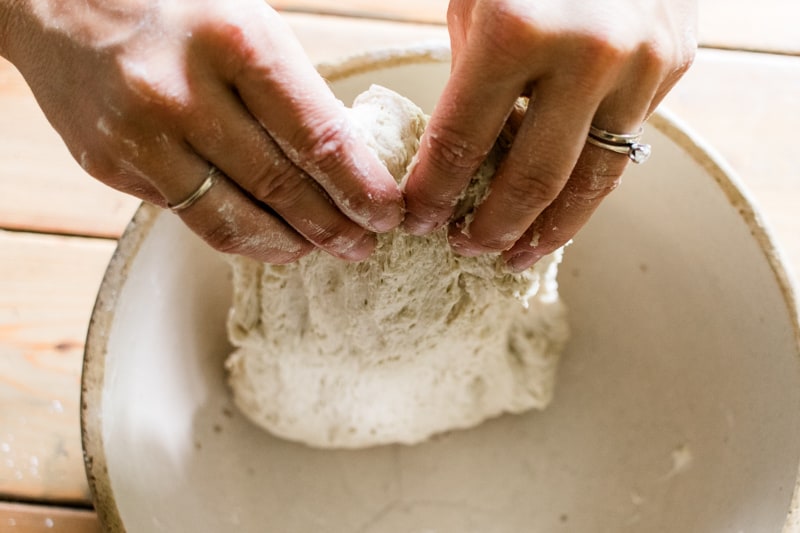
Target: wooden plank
{"points": [[746, 106], [763, 25], [47, 290], [427, 11], [330, 38], [766, 25], [20, 518]]}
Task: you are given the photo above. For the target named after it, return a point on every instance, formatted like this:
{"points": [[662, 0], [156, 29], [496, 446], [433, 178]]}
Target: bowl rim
{"points": [[93, 370]]}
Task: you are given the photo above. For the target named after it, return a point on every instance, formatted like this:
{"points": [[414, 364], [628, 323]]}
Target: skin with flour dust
{"points": [[150, 95]]}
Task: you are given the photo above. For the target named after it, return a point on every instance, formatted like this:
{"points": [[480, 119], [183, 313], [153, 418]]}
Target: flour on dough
{"points": [[411, 342]]}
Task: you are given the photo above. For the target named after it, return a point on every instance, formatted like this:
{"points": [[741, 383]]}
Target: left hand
{"points": [[606, 63]]}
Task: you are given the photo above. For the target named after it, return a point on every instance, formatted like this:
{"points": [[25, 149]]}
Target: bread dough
{"points": [[411, 342]]}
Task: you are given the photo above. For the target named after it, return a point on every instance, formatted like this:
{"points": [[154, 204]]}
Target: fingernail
{"points": [[418, 226], [523, 260], [464, 249], [388, 209], [384, 223], [461, 246], [389, 217], [357, 250]]}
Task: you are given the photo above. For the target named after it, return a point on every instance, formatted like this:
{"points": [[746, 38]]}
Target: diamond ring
{"points": [[621, 143]]}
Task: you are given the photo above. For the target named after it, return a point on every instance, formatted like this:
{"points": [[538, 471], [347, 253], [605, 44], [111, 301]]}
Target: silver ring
{"points": [[621, 143], [204, 187]]}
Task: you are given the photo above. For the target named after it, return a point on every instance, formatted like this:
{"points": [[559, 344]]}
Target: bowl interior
{"points": [[676, 406]]}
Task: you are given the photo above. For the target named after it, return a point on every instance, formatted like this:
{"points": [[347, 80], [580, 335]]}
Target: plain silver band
{"points": [[204, 187], [615, 138], [619, 148]]}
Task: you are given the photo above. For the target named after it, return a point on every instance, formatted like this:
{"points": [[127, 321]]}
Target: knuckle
{"points": [[325, 144], [601, 53], [685, 58], [593, 190], [552, 241], [280, 184], [508, 31], [656, 58], [495, 242], [222, 237], [531, 192], [226, 238], [430, 208], [96, 164], [591, 195], [665, 57], [452, 151], [151, 93]]}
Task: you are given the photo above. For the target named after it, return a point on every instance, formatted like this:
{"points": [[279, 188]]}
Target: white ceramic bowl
{"points": [[677, 407]]}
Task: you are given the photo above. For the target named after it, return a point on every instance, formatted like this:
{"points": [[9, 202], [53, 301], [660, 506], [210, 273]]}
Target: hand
{"points": [[149, 94], [606, 62]]}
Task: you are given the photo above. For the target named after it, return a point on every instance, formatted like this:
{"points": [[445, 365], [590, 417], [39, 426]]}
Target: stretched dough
{"points": [[411, 342]]}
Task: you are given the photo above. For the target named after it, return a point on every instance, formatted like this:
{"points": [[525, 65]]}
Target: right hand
{"points": [[606, 63], [149, 94]]}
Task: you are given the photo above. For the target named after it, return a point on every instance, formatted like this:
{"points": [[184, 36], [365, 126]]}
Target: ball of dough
{"points": [[413, 341]]}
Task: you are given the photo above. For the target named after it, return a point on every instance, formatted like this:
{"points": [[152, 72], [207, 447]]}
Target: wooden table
{"points": [[58, 226]]}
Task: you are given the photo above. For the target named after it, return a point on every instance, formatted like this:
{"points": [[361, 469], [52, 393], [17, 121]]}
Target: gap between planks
{"points": [[25, 518]]}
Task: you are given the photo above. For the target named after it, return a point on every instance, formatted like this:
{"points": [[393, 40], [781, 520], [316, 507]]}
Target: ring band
{"points": [[204, 187], [621, 143]]}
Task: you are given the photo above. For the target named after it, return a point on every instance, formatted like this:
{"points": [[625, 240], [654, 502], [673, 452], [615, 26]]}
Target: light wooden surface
{"points": [[745, 105], [20, 518], [766, 25], [47, 288]]}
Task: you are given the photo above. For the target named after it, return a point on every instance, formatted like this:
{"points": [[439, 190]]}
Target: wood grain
{"points": [[331, 38], [766, 25], [47, 290], [428, 11], [19, 518], [41, 187], [763, 25]]}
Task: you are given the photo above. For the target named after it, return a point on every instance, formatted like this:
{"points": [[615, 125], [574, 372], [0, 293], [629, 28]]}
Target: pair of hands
{"points": [[149, 94]]}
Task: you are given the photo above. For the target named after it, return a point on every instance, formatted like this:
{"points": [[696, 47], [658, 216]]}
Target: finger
{"points": [[248, 156], [596, 174], [225, 217], [461, 132], [536, 168], [299, 111]]}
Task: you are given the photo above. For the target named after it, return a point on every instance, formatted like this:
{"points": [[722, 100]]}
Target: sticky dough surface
{"points": [[411, 342]]}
